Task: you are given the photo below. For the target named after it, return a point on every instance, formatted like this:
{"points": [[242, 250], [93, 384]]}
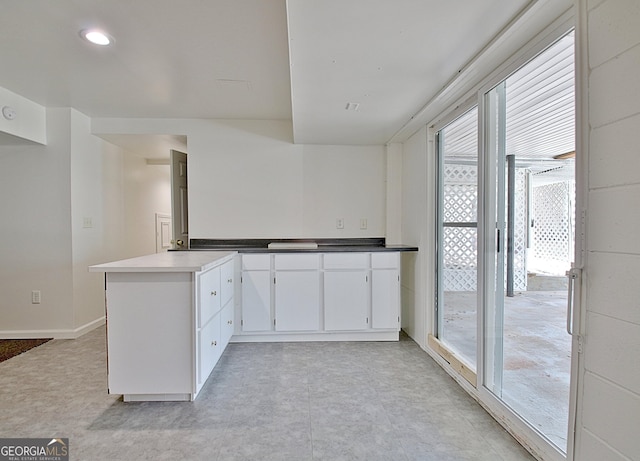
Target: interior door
{"points": [[179, 200]]}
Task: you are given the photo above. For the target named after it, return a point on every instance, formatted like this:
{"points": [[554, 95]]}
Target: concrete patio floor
{"points": [[537, 354]]}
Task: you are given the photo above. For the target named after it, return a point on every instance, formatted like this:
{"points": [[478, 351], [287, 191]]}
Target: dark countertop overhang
{"points": [[349, 245]]}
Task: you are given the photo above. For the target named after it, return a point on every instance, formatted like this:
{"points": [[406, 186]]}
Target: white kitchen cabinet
{"points": [[385, 298], [385, 290], [211, 348], [308, 296], [297, 292], [346, 300], [209, 290], [256, 292], [226, 323], [349, 261], [164, 317], [226, 283], [297, 301]]}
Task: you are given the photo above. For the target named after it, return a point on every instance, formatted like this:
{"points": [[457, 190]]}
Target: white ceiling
{"points": [[302, 60]]}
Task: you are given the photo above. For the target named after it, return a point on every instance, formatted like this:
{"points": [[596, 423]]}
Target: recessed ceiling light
{"points": [[96, 37], [352, 106]]}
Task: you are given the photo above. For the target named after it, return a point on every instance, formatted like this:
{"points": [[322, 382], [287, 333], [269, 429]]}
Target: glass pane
{"points": [[530, 142], [457, 236]]}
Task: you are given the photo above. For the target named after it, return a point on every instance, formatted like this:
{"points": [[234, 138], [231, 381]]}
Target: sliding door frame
{"points": [[517, 426]]}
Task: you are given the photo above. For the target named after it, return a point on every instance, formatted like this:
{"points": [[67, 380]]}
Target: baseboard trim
{"points": [[55, 334]]}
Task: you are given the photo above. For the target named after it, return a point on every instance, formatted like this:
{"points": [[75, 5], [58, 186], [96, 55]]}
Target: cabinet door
{"points": [[226, 324], [346, 300], [226, 283], [209, 295], [210, 348], [297, 301], [256, 301], [385, 298]]}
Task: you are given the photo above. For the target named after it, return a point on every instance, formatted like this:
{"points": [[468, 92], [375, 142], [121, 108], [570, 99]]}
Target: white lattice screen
{"points": [[553, 226], [520, 232], [459, 245]]}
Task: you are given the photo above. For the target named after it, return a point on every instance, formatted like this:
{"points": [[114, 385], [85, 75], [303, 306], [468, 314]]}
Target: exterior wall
{"points": [[608, 410]]}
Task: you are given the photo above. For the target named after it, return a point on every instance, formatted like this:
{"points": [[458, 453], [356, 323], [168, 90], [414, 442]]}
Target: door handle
{"points": [[572, 274]]}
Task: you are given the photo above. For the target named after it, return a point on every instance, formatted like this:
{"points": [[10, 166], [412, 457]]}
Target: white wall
{"points": [[418, 201], [248, 180], [45, 192], [35, 244], [92, 162], [609, 404], [147, 191], [394, 193]]}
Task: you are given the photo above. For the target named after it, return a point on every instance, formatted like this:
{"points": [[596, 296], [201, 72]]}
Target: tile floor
{"points": [[278, 401]]}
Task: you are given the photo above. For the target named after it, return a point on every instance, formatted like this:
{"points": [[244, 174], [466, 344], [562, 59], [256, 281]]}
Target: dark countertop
{"points": [[351, 245]]}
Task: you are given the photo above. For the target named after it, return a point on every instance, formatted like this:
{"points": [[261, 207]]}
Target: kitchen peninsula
{"points": [[169, 318], [171, 315]]}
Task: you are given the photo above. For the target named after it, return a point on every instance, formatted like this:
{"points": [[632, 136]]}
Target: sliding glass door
{"points": [[528, 219], [501, 301], [457, 147]]}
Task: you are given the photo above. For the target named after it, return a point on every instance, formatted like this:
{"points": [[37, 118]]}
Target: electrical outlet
{"points": [[87, 222], [363, 223], [36, 297], [339, 223]]}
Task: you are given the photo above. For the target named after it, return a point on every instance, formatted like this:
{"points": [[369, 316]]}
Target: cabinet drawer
{"points": [[256, 262], [209, 295], [226, 324], [385, 260], [226, 283], [346, 260], [296, 261], [210, 348]]}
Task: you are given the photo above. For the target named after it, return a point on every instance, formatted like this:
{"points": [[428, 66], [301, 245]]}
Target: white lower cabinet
{"points": [[297, 301], [346, 300], [312, 296], [256, 284], [385, 298], [210, 348], [209, 301], [226, 323], [166, 329], [256, 300]]}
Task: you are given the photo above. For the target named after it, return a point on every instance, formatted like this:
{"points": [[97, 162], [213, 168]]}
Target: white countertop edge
{"points": [[171, 261]]}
